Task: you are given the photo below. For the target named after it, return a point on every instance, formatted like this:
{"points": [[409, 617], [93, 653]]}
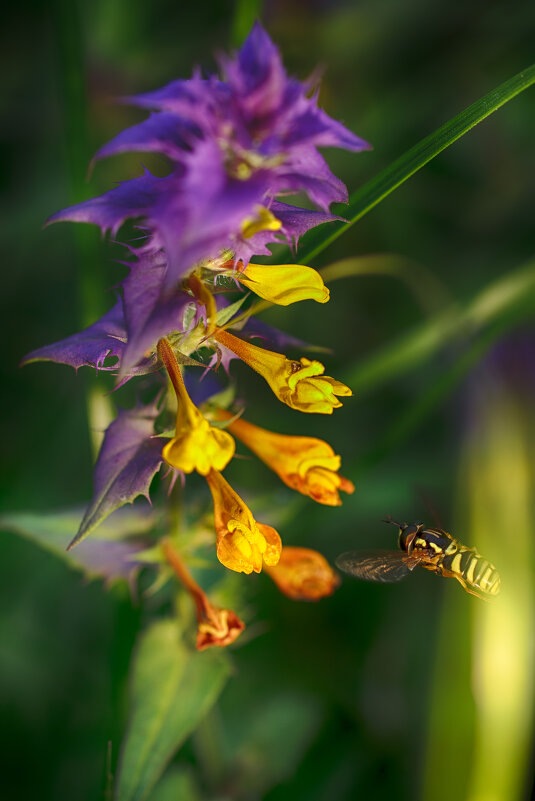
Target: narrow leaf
{"points": [[378, 188], [172, 690]]}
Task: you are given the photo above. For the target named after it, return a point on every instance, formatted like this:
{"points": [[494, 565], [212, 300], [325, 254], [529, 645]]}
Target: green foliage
{"points": [[110, 554], [172, 689], [178, 784]]}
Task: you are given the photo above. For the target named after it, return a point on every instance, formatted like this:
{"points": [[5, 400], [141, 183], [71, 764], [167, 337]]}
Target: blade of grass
{"points": [[245, 14], [378, 188], [505, 310], [73, 81], [509, 294]]}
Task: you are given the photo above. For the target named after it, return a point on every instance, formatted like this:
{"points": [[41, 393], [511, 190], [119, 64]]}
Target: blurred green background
{"points": [[409, 691]]}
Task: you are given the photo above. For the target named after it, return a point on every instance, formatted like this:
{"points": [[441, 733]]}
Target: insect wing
{"points": [[384, 566]]}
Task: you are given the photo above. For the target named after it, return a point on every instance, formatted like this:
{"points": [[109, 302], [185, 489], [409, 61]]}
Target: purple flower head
{"points": [[234, 145], [260, 118]]}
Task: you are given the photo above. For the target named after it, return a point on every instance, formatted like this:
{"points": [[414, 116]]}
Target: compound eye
{"points": [[407, 536], [411, 530]]}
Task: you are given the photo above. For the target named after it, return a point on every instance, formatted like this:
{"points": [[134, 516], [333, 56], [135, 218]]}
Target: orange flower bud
{"points": [[305, 464], [299, 384], [304, 575], [216, 626], [242, 543]]}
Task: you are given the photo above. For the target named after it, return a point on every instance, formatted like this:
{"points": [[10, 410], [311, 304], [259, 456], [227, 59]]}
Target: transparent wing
{"points": [[384, 566]]}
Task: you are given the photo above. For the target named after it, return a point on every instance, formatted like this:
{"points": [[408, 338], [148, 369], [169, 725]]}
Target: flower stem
{"points": [[203, 294]]}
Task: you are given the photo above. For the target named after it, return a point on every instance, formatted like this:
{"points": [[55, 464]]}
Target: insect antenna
{"points": [[389, 519]]}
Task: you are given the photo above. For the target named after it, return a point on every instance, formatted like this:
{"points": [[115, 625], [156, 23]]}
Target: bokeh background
{"points": [[409, 691]]}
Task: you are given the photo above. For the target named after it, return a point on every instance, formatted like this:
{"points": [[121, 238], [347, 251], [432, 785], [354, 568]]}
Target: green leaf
{"points": [[112, 552], [172, 690], [227, 312], [378, 188], [178, 784], [498, 308]]}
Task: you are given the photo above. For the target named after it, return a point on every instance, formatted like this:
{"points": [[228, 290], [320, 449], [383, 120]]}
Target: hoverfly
{"points": [[433, 549]]}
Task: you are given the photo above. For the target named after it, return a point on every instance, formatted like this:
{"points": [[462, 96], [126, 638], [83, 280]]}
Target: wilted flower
{"points": [[303, 575], [216, 626], [299, 384]]}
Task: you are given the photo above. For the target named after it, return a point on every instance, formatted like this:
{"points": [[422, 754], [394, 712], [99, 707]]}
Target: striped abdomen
{"points": [[470, 569]]}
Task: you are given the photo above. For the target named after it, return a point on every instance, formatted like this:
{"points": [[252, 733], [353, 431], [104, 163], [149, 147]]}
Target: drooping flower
{"points": [[196, 445], [283, 284], [303, 574], [216, 626], [299, 384], [243, 544], [305, 464]]}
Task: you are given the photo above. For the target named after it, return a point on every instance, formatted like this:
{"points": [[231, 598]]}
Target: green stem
{"points": [[72, 77]]}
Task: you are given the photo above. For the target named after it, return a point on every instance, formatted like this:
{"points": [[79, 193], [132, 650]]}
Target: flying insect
{"points": [[433, 549]]}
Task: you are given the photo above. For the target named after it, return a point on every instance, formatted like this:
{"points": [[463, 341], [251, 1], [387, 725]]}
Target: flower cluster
{"points": [[235, 146]]}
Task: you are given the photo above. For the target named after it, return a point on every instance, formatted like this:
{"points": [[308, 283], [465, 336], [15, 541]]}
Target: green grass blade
{"points": [[376, 190], [509, 296], [245, 14], [497, 309]]}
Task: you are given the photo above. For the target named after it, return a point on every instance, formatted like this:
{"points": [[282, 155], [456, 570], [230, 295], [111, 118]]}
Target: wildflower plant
{"points": [[241, 146]]}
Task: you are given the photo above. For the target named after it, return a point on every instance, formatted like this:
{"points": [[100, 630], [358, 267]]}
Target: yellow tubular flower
{"points": [[299, 384], [284, 283], [305, 464], [304, 575], [196, 444], [216, 626], [242, 543]]}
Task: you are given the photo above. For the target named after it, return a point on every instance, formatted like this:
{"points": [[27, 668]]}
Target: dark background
{"points": [[362, 674]]}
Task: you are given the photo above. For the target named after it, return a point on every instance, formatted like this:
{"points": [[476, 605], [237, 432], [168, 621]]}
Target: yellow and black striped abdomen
{"points": [[471, 570]]}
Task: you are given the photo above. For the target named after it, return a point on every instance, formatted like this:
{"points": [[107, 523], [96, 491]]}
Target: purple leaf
{"points": [[110, 554], [149, 314], [129, 459], [254, 328], [130, 199], [163, 132], [89, 347]]}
